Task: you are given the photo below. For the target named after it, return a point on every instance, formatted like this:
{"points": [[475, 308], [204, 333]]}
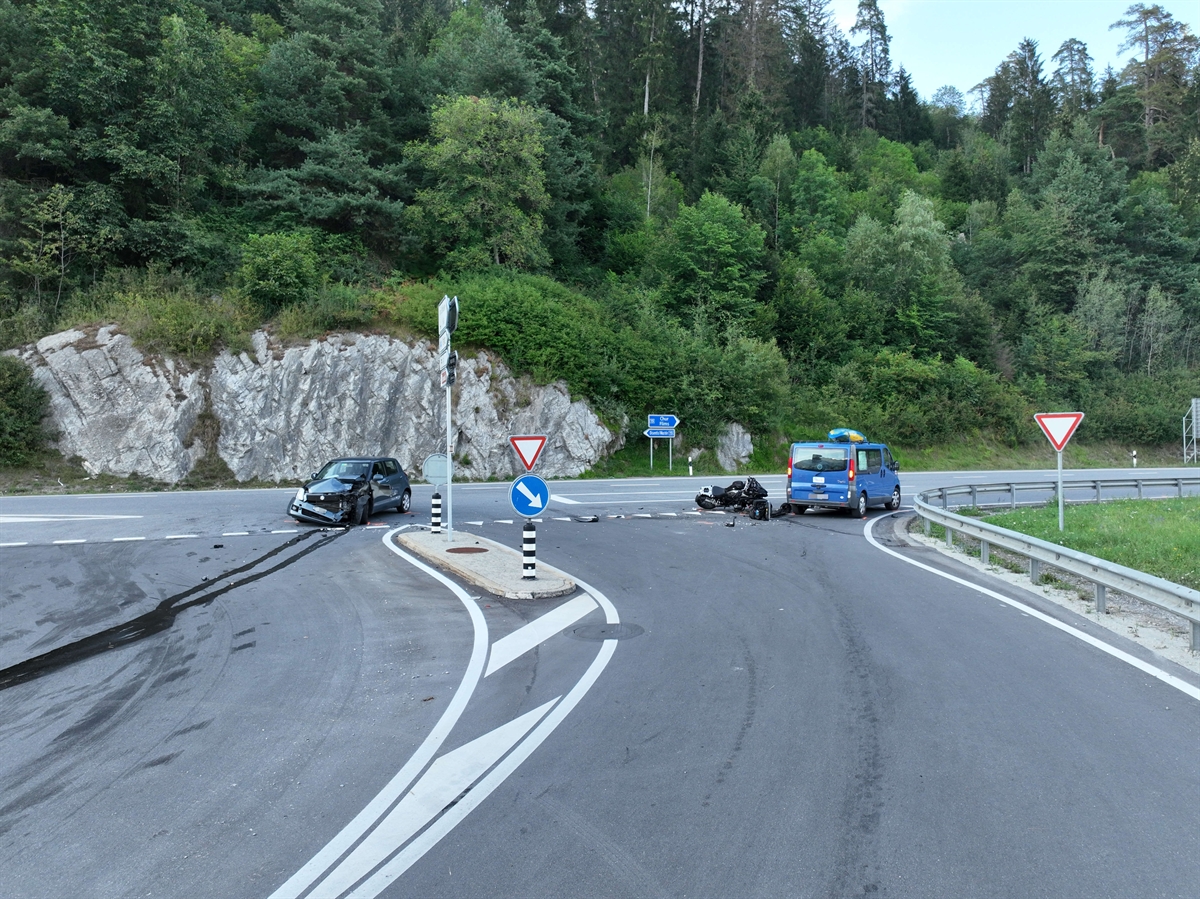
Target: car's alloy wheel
{"points": [[406, 501], [861, 507], [894, 502]]}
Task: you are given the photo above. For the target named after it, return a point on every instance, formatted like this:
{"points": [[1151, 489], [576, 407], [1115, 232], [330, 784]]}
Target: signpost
{"points": [[661, 427], [447, 366], [1058, 428]]}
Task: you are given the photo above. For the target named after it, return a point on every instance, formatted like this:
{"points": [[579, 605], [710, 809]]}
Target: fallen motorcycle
{"points": [[738, 496]]}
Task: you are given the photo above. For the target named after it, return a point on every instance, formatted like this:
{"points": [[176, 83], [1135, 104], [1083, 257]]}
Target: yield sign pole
{"points": [[1058, 428]]}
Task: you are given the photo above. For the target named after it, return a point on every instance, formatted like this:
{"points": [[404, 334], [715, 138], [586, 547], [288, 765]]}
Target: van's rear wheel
{"points": [[798, 509], [860, 508], [894, 502]]}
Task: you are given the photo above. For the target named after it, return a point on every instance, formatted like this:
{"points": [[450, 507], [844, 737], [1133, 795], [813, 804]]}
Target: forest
{"points": [[727, 209]]}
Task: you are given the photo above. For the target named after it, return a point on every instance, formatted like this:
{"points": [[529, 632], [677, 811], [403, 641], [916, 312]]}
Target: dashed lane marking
{"points": [[236, 534], [126, 539], [60, 542], [556, 498], [15, 544], [295, 531], [180, 536]]}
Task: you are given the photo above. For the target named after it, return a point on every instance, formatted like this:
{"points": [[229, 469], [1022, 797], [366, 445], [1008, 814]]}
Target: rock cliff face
{"points": [[282, 412]]}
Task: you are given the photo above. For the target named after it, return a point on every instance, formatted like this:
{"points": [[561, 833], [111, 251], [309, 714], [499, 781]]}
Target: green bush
{"points": [[23, 406], [278, 269], [921, 402], [620, 350]]}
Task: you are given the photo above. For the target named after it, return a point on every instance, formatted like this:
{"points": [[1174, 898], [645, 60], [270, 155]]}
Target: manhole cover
{"points": [[467, 549], [606, 631]]}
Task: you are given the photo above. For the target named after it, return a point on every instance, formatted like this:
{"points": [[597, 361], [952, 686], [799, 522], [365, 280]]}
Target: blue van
{"points": [[847, 471]]}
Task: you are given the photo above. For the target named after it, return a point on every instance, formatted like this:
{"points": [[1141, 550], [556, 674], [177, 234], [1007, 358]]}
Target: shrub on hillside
{"points": [[23, 406], [278, 269]]}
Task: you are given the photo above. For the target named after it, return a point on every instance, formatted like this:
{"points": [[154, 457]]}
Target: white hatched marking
{"points": [[476, 523], [446, 779], [556, 498], [562, 519], [537, 632], [668, 514], [642, 515], [502, 521]]}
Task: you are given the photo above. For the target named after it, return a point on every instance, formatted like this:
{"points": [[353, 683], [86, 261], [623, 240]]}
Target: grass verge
{"points": [[1158, 536]]}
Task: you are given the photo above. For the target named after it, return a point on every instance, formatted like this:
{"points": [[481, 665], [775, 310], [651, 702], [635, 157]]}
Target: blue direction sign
{"points": [[662, 421], [659, 432], [529, 495]]}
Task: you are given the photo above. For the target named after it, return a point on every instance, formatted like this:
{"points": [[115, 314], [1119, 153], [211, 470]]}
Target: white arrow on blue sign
{"points": [[659, 432], [529, 495], [662, 421]]}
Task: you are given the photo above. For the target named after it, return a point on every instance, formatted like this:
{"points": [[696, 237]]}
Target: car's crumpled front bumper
{"points": [[306, 511]]}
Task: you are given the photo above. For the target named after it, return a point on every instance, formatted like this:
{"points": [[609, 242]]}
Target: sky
{"points": [[961, 42]]}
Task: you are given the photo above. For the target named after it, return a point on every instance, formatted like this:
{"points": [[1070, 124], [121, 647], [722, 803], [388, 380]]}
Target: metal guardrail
{"points": [[935, 506]]}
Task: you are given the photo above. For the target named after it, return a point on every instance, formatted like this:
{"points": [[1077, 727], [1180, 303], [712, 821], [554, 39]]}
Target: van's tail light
{"points": [[789, 468], [850, 468]]}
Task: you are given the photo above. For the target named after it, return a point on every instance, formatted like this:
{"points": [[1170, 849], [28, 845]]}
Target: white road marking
{"points": [[670, 514], [126, 539], [24, 543], [236, 534], [375, 810], [568, 518], [537, 632], [476, 523], [180, 536], [642, 515], [502, 521], [691, 513], [559, 498], [295, 531], [58, 542], [1155, 672], [429, 838], [25, 519], [446, 778]]}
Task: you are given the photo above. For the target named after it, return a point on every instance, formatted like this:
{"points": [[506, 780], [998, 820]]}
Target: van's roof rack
{"points": [[847, 435]]}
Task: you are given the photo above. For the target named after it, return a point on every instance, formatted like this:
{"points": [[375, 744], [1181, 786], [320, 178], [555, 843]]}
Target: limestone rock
{"points": [[283, 412], [734, 448], [117, 409]]}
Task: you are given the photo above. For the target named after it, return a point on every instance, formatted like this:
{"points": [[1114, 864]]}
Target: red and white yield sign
{"points": [[528, 448], [1058, 426]]}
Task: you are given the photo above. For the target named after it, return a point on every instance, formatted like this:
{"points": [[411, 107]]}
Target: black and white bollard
{"points": [[437, 514], [529, 550]]}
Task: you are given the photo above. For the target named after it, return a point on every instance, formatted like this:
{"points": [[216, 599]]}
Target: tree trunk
{"points": [[699, 64]]}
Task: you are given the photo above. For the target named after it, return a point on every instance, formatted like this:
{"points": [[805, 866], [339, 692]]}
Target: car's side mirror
{"points": [[313, 476]]}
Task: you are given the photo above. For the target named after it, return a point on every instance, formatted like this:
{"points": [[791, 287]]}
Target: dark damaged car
{"points": [[349, 491]]}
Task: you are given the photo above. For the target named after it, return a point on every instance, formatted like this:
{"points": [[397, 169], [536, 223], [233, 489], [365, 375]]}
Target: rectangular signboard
{"points": [[659, 432]]}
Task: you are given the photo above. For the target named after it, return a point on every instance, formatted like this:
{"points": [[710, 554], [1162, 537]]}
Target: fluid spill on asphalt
{"points": [[161, 617]]}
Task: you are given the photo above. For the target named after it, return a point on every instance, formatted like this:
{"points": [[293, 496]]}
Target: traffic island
{"points": [[486, 564]]}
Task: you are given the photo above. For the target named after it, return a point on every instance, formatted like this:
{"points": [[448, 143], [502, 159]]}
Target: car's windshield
{"points": [[345, 470], [826, 458]]}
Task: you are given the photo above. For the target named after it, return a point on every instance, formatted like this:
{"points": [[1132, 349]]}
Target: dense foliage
{"points": [[731, 211], [23, 404]]}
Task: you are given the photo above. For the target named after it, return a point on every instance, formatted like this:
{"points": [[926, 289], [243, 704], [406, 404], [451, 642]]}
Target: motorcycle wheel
{"points": [[705, 502]]}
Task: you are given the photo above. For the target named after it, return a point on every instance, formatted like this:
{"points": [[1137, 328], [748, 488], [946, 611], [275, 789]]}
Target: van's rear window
{"points": [[828, 458]]}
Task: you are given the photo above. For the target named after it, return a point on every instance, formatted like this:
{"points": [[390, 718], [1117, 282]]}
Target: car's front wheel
{"points": [[894, 502], [406, 501]]}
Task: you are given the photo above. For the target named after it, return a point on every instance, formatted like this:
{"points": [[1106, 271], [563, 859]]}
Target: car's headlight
{"points": [[300, 495]]}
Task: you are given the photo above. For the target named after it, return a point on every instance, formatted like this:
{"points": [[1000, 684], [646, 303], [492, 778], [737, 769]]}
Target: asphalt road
{"points": [[787, 710]]}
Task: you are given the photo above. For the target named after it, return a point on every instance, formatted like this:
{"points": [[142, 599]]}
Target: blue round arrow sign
{"points": [[529, 495]]}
